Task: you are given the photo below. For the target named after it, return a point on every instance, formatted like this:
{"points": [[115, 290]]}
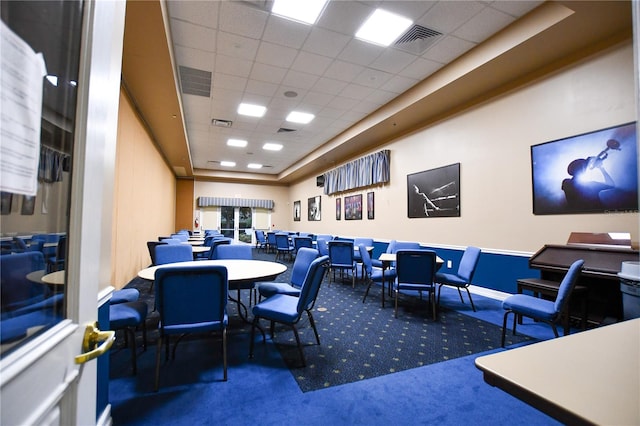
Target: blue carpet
{"points": [[263, 391]]}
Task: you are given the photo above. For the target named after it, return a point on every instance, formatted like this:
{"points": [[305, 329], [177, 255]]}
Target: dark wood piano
{"points": [[602, 261]]}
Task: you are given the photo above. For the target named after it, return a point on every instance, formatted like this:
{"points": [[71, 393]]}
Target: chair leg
{"points": [[132, 337], [295, 332], [158, 350], [460, 294], [224, 352], [470, 299], [395, 311], [366, 293], [504, 327], [313, 325]]}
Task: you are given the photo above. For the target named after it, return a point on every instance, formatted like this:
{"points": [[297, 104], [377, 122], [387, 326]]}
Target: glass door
{"points": [[237, 223]]}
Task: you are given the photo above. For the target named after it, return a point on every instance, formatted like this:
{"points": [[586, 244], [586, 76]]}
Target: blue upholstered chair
{"points": [[169, 240], [271, 241], [462, 278], [391, 248], [374, 275], [416, 271], [286, 309], [304, 258], [151, 247], [16, 290], [213, 250], [191, 300], [171, 253], [341, 256], [299, 242], [234, 251], [124, 295], [127, 316], [322, 244], [548, 311], [57, 262], [261, 239], [283, 247]]}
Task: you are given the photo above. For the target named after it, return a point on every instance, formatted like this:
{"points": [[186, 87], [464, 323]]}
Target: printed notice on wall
{"points": [[22, 72]]}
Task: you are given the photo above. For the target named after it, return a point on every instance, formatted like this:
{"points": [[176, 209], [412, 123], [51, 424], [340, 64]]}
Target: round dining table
{"points": [[241, 274]]}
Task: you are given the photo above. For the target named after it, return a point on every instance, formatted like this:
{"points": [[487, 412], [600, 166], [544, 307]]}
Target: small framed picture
{"points": [[370, 205], [7, 199], [338, 208], [296, 211], [353, 207], [314, 212], [28, 204]]}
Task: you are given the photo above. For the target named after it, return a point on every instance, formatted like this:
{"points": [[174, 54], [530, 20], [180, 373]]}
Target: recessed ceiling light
{"points": [[306, 11], [383, 27], [300, 117], [270, 146], [228, 163], [254, 166], [237, 142], [251, 110]]}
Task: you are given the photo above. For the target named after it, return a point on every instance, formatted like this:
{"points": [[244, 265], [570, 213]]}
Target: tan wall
{"points": [[185, 204], [145, 194], [492, 143]]}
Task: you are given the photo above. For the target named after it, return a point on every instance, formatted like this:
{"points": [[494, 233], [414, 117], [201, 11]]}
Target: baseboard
{"points": [[487, 292]]}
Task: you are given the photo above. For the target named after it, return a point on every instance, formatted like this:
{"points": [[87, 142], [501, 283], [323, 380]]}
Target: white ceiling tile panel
{"points": [[232, 65], [237, 46], [447, 49], [356, 91], [229, 82], [345, 17], [238, 19], [261, 88], [448, 16], [343, 71], [286, 32], [515, 7], [393, 61], [195, 58], [325, 42], [398, 84], [372, 78], [317, 98], [311, 63], [420, 68], [195, 11], [193, 36], [268, 73], [276, 55], [360, 52], [299, 80], [331, 86], [483, 25]]}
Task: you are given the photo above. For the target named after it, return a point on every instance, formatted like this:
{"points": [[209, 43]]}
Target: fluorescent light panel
{"points": [[237, 142], [251, 110], [300, 117], [383, 27], [227, 163], [306, 11], [270, 146], [254, 166]]}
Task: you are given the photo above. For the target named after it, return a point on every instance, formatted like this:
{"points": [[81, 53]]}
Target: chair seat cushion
{"points": [[530, 306], [128, 314], [452, 279], [270, 289], [280, 308], [389, 274], [201, 327], [124, 295]]}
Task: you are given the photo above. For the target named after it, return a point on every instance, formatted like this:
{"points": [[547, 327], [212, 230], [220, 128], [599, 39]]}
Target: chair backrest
{"points": [[322, 242], [234, 251], [170, 241], [405, 245], [260, 236], [301, 265], [366, 259], [567, 284], [271, 238], [415, 266], [180, 236], [151, 246], [300, 242], [194, 295], [170, 253], [213, 251], [282, 242], [15, 289], [61, 248], [391, 247], [36, 245], [21, 246], [341, 253], [468, 263], [367, 242], [312, 281]]}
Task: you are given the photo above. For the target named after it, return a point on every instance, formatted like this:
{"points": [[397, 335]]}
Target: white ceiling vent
{"points": [[195, 82], [221, 123], [417, 39]]}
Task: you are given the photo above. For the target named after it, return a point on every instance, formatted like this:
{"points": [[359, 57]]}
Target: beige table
{"points": [[591, 377], [41, 277], [241, 274]]}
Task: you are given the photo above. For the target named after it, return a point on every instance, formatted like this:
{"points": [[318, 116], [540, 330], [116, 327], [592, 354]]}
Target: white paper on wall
{"points": [[22, 74]]}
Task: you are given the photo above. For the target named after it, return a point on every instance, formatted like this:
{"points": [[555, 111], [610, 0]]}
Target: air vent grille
{"points": [[417, 39], [285, 130], [221, 123], [195, 82]]}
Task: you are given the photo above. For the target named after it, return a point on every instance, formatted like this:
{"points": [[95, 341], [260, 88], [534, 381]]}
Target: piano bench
{"points": [[550, 288]]}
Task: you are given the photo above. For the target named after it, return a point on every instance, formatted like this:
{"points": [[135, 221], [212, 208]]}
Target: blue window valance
{"points": [[234, 202], [369, 170]]}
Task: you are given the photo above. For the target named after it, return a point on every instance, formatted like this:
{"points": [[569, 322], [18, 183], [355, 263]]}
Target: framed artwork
{"points": [[595, 172], [314, 212], [434, 193], [353, 207], [370, 205], [6, 201], [28, 204], [296, 211], [338, 208]]}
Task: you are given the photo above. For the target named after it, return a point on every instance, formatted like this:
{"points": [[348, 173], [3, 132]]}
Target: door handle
{"points": [[91, 343]]}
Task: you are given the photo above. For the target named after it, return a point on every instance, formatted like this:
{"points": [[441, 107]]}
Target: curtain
{"points": [[234, 202], [365, 171]]}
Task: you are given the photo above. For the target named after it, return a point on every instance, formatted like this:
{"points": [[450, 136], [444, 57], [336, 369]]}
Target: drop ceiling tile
{"points": [[398, 84], [330, 86], [276, 55], [447, 49], [356, 91], [311, 63], [345, 17], [261, 88], [317, 98], [420, 68], [228, 81], [286, 32], [232, 65], [372, 78], [484, 24], [516, 7], [325, 42], [448, 16], [392, 61], [237, 46], [360, 52], [340, 102], [239, 19], [193, 36], [343, 71], [268, 73], [194, 58], [197, 12], [299, 80]]}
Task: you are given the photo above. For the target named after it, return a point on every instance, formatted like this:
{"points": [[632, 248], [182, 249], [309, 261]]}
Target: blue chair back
{"points": [[415, 267], [234, 251], [312, 282], [16, 290], [171, 253], [181, 237], [282, 242], [405, 245], [151, 246], [20, 245], [301, 264], [567, 284], [300, 242], [341, 253], [191, 299], [170, 241], [213, 251], [271, 238], [468, 263], [322, 243], [260, 237], [366, 259]]}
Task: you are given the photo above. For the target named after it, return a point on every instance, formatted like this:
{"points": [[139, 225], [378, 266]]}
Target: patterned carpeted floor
{"points": [[362, 340]]}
